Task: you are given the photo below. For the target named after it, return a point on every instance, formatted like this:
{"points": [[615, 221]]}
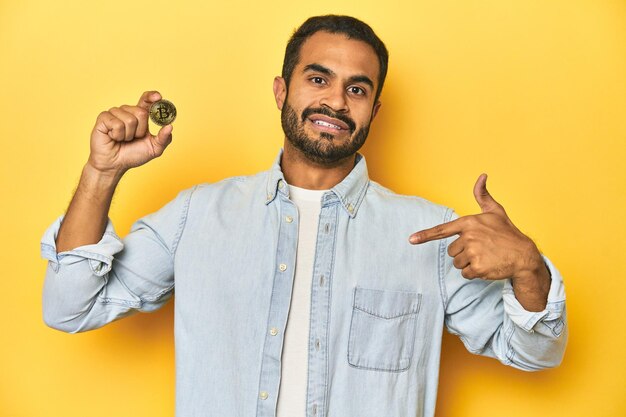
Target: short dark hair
{"points": [[351, 27]]}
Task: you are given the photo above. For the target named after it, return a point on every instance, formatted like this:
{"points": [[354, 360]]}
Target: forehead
{"points": [[344, 56]]}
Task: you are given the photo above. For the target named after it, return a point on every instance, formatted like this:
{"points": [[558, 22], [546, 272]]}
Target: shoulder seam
{"points": [[182, 222]]}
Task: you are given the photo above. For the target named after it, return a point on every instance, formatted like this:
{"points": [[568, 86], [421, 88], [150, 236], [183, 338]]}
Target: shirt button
{"points": [[350, 208], [282, 267], [288, 219], [322, 281], [327, 228], [273, 331], [314, 409], [263, 395], [317, 344], [281, 183]]}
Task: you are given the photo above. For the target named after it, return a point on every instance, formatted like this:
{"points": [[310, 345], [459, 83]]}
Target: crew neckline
{"points": [[304, 194]]}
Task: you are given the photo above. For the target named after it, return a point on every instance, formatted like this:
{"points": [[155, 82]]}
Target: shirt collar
{"points": [[350, 191]]}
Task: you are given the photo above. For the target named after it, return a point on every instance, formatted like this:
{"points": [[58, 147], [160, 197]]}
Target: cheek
{"points": [[364, 117]]}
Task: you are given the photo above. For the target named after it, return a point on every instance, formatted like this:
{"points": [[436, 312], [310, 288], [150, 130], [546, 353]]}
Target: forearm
{"points": [[531, 284], [532, 291], [87, 215]]}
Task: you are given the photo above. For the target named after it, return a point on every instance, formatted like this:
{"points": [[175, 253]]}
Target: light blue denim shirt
{"points": [[378, 303]]}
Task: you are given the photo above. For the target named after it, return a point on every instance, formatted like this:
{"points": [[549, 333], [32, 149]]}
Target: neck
{"points": [[300, 171]]}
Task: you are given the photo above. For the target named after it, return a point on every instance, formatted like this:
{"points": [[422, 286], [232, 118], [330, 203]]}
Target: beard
{"points": [[325, 150]]}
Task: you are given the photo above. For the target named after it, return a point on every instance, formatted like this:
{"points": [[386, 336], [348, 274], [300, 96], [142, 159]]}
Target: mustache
{"points": [[324, 111]]}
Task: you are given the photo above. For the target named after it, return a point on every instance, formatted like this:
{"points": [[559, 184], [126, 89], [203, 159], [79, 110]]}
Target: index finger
{"points": [[440, 231], [147, 98]]}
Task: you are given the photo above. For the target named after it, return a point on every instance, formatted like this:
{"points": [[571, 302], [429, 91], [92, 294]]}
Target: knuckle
{"points": [[478, 269], [472, 221]]}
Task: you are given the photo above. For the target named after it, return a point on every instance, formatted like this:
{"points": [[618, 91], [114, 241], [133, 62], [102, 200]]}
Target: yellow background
{"points": [[531, 92]]}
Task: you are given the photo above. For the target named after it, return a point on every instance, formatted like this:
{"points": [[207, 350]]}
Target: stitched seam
{"points": [[330, 298], [119, 301], [510, 351], [49, 252], [89, 255], [383, 317], [441, 266], [182, 222], [269, 309], [382, 369], [157, 296]]}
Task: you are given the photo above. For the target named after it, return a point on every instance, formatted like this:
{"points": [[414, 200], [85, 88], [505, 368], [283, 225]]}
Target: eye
{"points": [[356, 90], [318, 80]]}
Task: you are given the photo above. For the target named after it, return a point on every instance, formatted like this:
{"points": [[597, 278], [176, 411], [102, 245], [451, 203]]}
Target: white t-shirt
{"points": [[292, 392]]}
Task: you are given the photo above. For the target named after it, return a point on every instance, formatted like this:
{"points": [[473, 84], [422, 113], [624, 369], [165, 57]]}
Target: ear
{"points": [[375, 110], [280, 91]]}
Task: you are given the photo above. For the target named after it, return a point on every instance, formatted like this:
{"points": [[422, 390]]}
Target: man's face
{"points": [[329, 105]]}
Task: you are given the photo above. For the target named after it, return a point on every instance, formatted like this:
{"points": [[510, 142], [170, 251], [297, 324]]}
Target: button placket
{"points": [[280, 300], [320, 308]]}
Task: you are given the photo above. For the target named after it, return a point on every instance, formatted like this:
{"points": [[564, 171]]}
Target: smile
{"points": [[326, 124]]}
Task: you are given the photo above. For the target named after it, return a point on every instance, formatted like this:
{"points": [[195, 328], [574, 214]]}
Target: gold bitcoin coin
{"points": [[162, 112]]}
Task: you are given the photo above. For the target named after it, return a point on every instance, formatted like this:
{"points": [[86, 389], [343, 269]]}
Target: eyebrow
{"points": [[327, 71]]}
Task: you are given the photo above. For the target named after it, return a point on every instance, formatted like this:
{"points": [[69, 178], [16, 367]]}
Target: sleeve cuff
{"points": [[528, 319], [99, 255]]}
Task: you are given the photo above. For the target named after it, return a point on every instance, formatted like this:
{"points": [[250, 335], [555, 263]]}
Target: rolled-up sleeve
{"points": [[552, 316], [491, 322], [92, 285]]}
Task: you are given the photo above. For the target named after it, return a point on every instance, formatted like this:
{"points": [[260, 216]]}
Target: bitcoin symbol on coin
{"points": [[162, 112]]}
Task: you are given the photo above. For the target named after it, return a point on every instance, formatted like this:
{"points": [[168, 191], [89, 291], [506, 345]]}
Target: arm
{"points": [[120, 140], [95, 284], [82, 290], [86, 217], [491, 321], [502, 297]]}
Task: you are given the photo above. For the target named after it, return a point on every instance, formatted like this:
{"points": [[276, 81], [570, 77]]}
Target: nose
{"points": [[335, 99]]}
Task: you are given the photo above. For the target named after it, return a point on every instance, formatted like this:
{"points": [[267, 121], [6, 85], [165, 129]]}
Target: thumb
{"points": [[163, 138], [483, 198]]}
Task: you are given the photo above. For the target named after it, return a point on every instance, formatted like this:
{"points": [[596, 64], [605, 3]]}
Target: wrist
{"points": [[532, 285], [97, 182], [104, 176]]}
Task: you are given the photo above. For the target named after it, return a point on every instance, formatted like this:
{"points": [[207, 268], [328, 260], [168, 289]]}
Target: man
{"points": [[306, 289]]}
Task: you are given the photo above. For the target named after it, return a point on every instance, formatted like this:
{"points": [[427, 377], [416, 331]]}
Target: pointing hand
{"points": [[489, 245]]}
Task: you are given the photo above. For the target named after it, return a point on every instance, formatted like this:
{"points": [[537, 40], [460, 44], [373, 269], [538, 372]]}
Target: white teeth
{"points": [[322, 123]]}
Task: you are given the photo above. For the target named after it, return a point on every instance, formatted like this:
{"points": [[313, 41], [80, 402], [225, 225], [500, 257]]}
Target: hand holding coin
{"points": [[121, 138]]}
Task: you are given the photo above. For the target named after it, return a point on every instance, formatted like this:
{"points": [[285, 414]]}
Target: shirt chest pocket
{"points": [[382, 329]]}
